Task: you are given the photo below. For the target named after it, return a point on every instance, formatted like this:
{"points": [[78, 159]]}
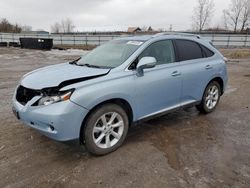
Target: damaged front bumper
{"points": [[60, 121]]}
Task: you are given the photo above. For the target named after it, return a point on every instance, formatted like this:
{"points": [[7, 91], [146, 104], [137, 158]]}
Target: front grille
{"points": [[24, 95]]}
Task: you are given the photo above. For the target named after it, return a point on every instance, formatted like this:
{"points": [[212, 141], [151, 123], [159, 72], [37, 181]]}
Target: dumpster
{"points": [[36, 43], [3, 44], [14, 44]]}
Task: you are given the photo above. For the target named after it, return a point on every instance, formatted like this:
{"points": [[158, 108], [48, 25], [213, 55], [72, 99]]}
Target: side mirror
{"points": [[145, 63]]}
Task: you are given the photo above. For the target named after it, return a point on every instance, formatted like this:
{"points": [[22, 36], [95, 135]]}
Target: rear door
{"points": [[196, 68], [160, 87]]}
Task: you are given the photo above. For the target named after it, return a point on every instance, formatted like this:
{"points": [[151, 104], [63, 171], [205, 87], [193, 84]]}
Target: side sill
{"points": [[167, 112], [190, 105]]}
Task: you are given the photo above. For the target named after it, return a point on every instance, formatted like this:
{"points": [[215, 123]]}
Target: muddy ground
{"points": [[182, 149]]}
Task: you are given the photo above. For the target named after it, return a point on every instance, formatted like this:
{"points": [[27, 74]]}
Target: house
{"points": [[134, 29], [40, 32], [150, 29]]}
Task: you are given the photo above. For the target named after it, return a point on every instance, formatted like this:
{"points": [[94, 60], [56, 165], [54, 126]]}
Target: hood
{"points": [[60, 75]]}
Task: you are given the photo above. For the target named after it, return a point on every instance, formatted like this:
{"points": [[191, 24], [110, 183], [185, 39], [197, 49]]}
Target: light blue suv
{"points": [[97, 97]]}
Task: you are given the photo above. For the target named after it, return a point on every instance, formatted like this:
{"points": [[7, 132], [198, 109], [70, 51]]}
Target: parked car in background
{"points": [[97, 97]]}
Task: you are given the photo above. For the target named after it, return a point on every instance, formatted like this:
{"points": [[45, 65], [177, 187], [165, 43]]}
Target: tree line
{"points": [[64, 26], [236, 16], [7, 27]]}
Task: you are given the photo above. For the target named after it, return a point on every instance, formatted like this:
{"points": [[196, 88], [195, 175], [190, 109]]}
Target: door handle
{"points": [[208, 67], [176, 73]]}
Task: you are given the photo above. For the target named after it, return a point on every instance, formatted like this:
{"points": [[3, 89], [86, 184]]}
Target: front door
{"points": [[159, 89]]}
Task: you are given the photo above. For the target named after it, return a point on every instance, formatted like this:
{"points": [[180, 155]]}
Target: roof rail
{"points": [[176, 33]]}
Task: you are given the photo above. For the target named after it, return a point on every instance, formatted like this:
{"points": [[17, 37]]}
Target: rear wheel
{"points": [[106, 129], [211, 98]]}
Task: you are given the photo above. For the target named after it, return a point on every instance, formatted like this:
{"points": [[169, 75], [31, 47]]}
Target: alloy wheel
{"points": [[108, 130], [212, 97]]}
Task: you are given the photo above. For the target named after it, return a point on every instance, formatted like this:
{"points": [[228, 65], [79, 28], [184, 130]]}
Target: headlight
{"points": [[61, 96]]}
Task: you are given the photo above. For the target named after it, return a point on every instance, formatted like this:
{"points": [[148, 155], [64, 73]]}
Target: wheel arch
{"points": [[119, 101], [220, 81]]}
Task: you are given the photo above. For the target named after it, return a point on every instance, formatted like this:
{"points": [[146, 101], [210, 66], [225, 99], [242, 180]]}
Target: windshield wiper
{"points": [[89, 65], [95, 66], [74, 62]]}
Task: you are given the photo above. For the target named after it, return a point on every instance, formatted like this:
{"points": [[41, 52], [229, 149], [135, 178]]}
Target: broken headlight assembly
{"points": [[55, 97]]}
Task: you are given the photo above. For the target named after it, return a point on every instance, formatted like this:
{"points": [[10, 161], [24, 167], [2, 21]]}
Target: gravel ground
{"points": [[181, 149]]}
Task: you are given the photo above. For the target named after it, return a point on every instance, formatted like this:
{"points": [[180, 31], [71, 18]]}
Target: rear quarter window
{"points": [[188, 50], [206, 51]]}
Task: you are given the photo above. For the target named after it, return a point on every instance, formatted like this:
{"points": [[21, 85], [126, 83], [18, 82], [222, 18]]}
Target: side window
{"points": [[162, 51], [188, 50], [206, 51]]}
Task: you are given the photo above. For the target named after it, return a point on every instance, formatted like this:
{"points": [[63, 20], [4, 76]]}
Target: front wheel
{"points": [[106, 129], [211, 98]]}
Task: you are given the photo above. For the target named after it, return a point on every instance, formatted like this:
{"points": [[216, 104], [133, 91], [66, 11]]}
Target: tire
{"points": [[106, 129], [212, 93]]}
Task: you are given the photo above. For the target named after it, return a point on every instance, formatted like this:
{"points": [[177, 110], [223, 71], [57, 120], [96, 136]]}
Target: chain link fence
{"points": [[219, 40]]}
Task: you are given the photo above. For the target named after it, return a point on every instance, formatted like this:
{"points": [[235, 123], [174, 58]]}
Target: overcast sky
{"points": [[106, 14]]}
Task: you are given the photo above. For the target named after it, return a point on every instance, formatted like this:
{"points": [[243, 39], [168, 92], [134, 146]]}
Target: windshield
{"points": [[111, 54]]}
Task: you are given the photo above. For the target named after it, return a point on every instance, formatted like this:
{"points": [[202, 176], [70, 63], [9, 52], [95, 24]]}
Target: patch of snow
{"points": [[73, 52], [230, 90]]}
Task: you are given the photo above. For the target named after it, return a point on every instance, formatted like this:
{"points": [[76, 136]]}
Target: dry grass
{"points": [[236, 53], [82, 47]]}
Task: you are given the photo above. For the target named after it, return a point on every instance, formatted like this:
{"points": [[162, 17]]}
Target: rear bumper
{"points": [[60, 121]]}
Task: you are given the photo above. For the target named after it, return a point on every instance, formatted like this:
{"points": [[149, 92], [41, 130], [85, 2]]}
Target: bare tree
{"points": [[67, 25], [63, 27], [233, 14], [17, 28], [203, 13], [225, 18], [144, 28], [245, 17], [6, 26], [56, 28]]}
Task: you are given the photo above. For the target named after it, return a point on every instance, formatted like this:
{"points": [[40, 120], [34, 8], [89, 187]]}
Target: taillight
{"points": [[225, 59]]}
